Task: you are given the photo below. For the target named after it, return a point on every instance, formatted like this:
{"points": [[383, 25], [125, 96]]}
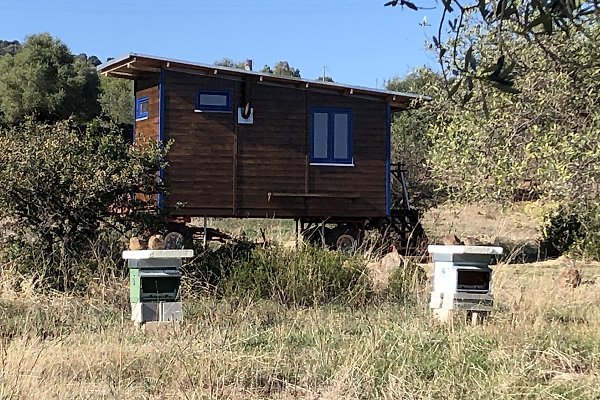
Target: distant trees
{"points": [[325, 78], [9, 47], [228, 62], [45, 80], [282, 68], [410, 140]]}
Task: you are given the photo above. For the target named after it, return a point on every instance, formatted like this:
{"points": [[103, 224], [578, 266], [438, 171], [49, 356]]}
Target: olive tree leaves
{"points": [[465, 62]]}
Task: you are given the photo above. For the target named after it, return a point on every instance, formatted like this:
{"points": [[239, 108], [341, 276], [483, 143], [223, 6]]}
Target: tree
{"points": [[9, 47], [116, 99], [62, 183], [44, 79], [410, 140], [325, 78], [228, 62], [282, 68], [532, 20], [545, 135]]}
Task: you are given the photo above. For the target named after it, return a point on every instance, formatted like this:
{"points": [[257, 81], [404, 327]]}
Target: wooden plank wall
{"points": [[367, 178], [200, 171], [218, 167], [147, 129], [272, 153]]}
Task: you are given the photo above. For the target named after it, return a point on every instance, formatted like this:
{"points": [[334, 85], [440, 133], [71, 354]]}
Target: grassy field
{"points": [[540, 342]]}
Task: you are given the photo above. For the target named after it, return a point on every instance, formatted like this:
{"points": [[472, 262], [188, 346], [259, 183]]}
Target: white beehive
{"points": [[462, 279]]}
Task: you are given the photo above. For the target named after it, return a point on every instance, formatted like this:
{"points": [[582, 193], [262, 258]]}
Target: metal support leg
{"points": [[205, 239], [323, 233]]}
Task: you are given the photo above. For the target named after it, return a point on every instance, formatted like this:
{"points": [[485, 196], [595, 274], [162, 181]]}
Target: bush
{"points": [[64, 185], [405, 283], [97, 260], [574, 230], [307, 277]]}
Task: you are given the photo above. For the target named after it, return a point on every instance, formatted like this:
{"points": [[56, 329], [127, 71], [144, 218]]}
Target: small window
{"points": [[216, 101], [331, 136], [141, 108]]}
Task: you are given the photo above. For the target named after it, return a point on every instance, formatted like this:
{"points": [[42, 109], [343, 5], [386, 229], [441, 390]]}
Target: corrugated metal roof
{"points": [[130, 66]]}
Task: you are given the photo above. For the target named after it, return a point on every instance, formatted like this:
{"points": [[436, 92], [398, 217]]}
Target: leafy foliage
{"points": [[9, 47], [228, 62], [116, 99], [572, 229], [325, 78], [532, 20], [405, 281], [44, 79], [410, 140], [282, 68], [546, 134], [62, 183], [307, 277]]}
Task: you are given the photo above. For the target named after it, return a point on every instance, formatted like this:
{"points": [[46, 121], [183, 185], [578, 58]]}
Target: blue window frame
{"points": [[141, 108], [331, 136], [213, 100]]}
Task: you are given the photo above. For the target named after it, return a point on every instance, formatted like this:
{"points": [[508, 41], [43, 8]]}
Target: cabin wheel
{"points": [[174, 241], [344, 237], [179, 236]]}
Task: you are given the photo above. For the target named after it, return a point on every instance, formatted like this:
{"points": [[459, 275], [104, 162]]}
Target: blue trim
{"points": [[161, 132], [207, 107], [331, 113], [139, 113], [388, 161]]}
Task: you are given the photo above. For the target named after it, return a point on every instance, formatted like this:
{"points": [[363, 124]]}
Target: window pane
{"points": [[144, 106], [214, 100], [321, 122], [341, 133]]}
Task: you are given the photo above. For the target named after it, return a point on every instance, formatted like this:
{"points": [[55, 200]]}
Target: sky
{"points": [[357, 42]]}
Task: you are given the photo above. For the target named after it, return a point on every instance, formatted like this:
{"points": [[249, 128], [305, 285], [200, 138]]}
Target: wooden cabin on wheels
{"points": [[257, 145]]}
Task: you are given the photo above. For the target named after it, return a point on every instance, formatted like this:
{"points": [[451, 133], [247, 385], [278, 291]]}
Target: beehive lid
{"points": [[442, 249], [156, 254]]}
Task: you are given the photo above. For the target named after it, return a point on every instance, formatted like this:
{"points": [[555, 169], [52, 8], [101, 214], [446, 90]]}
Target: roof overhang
{"points": [[133, 66]]}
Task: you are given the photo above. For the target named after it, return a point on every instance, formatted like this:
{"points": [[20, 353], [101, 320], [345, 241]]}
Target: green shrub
{"points": [[63, 185], [307, 277], [97, 260], [575, 230], [405, 283]]}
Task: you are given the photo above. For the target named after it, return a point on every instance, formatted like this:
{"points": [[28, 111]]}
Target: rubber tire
{"points": [[341, 235], [184, 231]]}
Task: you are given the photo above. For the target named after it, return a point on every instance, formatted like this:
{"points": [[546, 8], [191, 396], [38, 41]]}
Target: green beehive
{"points": [[154, 283], [154, 279]]}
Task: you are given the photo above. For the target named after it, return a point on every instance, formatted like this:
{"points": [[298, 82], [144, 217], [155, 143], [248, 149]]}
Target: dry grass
{"points": [[542, 342], [520, 221]]}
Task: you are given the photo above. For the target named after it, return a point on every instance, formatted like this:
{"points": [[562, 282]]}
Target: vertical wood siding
{"points": [[218, 167]]}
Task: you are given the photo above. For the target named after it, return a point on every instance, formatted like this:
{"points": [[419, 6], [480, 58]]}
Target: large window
{"points": [[211, 100], [331, 136], [141, 108]]}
